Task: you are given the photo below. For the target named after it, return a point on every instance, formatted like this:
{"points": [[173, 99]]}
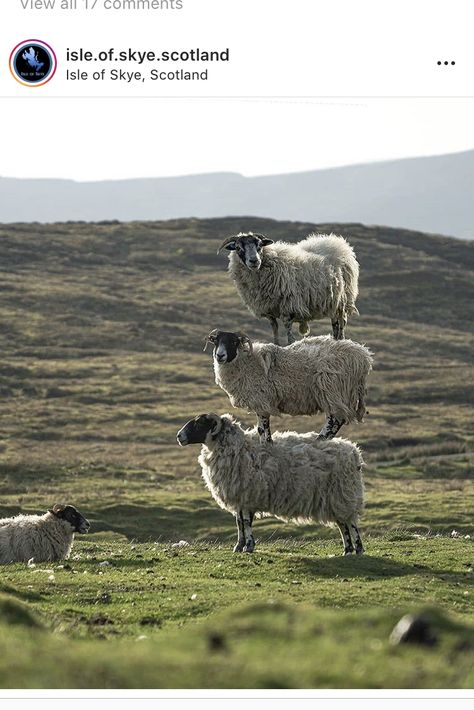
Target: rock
{"points": [[181, 543], [103, 598], [216, 642], [413, 629]]}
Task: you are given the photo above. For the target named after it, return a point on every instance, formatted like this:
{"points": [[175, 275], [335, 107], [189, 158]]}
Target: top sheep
{"points": [[315, 278]]}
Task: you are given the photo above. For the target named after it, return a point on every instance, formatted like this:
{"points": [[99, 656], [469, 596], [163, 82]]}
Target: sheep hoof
{"points": [[250, 546], [360, 551], [239, 547], [348, 551]]}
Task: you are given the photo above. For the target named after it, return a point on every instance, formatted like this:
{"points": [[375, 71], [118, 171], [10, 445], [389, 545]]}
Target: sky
{"points": [[97, 139]]}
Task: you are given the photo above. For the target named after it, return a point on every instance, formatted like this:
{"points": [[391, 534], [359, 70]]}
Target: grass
{"points": [[101, 330], [197, 616]]}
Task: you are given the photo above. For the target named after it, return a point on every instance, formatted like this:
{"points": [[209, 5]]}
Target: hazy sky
{"points": [[106, 138]]}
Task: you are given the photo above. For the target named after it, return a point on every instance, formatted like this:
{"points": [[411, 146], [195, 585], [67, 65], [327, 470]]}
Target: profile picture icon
{"points": [[33, 62]]}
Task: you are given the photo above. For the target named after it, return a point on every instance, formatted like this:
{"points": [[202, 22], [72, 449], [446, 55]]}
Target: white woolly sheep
{"points": [[300, 478], [315, 278], [43, 538], [312, 375]]}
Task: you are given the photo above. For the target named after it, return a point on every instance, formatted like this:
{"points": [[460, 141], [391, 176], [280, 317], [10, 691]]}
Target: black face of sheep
{"points": [[73, 517], [227, 345], [248, 248], [198, 429]]}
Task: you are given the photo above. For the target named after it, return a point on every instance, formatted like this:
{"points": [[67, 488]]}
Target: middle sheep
{"points": [[312, 375]]}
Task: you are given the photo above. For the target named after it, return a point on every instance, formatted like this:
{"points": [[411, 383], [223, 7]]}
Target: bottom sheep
{"points": [[42, 538], [298, 478]]}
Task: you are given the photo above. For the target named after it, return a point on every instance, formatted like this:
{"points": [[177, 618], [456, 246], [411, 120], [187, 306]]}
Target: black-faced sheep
{"points": [[310, 376], [301, 478], [315, 278], [43, 538]]}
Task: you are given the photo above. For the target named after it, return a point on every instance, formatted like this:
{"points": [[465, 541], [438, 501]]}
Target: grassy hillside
{"points": [[101, 331]]}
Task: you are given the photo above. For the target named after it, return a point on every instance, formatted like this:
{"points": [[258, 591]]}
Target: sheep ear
{"points": [[209, 339], [57, 509], [245, 342], [218, 424], [228, 243], [266, 242]]}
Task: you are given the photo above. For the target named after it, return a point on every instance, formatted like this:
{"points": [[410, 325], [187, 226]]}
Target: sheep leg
{"points": [[247, 519], [288, 323], [358, 542], [274, 324], [239, 547], [346, 538], [340, 332], [263, 428], [331, 427], [335, 329]]}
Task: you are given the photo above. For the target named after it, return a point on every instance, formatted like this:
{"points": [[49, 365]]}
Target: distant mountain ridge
{"points": [[432, 194]]}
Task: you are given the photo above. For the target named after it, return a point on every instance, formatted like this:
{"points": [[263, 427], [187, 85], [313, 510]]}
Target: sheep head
{"points": [[248, 248], [197, 430], [71, 515], [227, 345]]}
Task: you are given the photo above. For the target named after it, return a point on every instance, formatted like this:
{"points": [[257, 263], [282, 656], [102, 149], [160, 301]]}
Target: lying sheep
{"points": [[301, 478], [310, 376], [43, 538], [315, 278]]}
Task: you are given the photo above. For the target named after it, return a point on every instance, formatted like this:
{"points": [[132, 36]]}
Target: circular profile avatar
{"points": [[33, 62]]}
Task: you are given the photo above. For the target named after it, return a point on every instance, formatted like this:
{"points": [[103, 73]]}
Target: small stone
{"points": [[193, 597], [413, 629], [103, 598], [216, 642], [105, 563], [181, 543]]}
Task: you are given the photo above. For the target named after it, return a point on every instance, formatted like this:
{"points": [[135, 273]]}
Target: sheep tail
{"points": [[304, 328], [361, 410]]}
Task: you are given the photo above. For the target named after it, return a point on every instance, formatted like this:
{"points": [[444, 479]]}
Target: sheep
{"points": [[43, 538], [301, 478], [312, 375], [312, 279]]}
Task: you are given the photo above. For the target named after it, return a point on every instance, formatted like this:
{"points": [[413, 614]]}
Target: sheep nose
{"points": [[253, 263], [181, 438]]}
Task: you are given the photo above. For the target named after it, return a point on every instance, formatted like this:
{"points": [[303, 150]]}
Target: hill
{"points": [[102, 328], [428, 194]]}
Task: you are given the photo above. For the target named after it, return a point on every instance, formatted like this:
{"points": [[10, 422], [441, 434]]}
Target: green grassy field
{"points": [[101, 330]]}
